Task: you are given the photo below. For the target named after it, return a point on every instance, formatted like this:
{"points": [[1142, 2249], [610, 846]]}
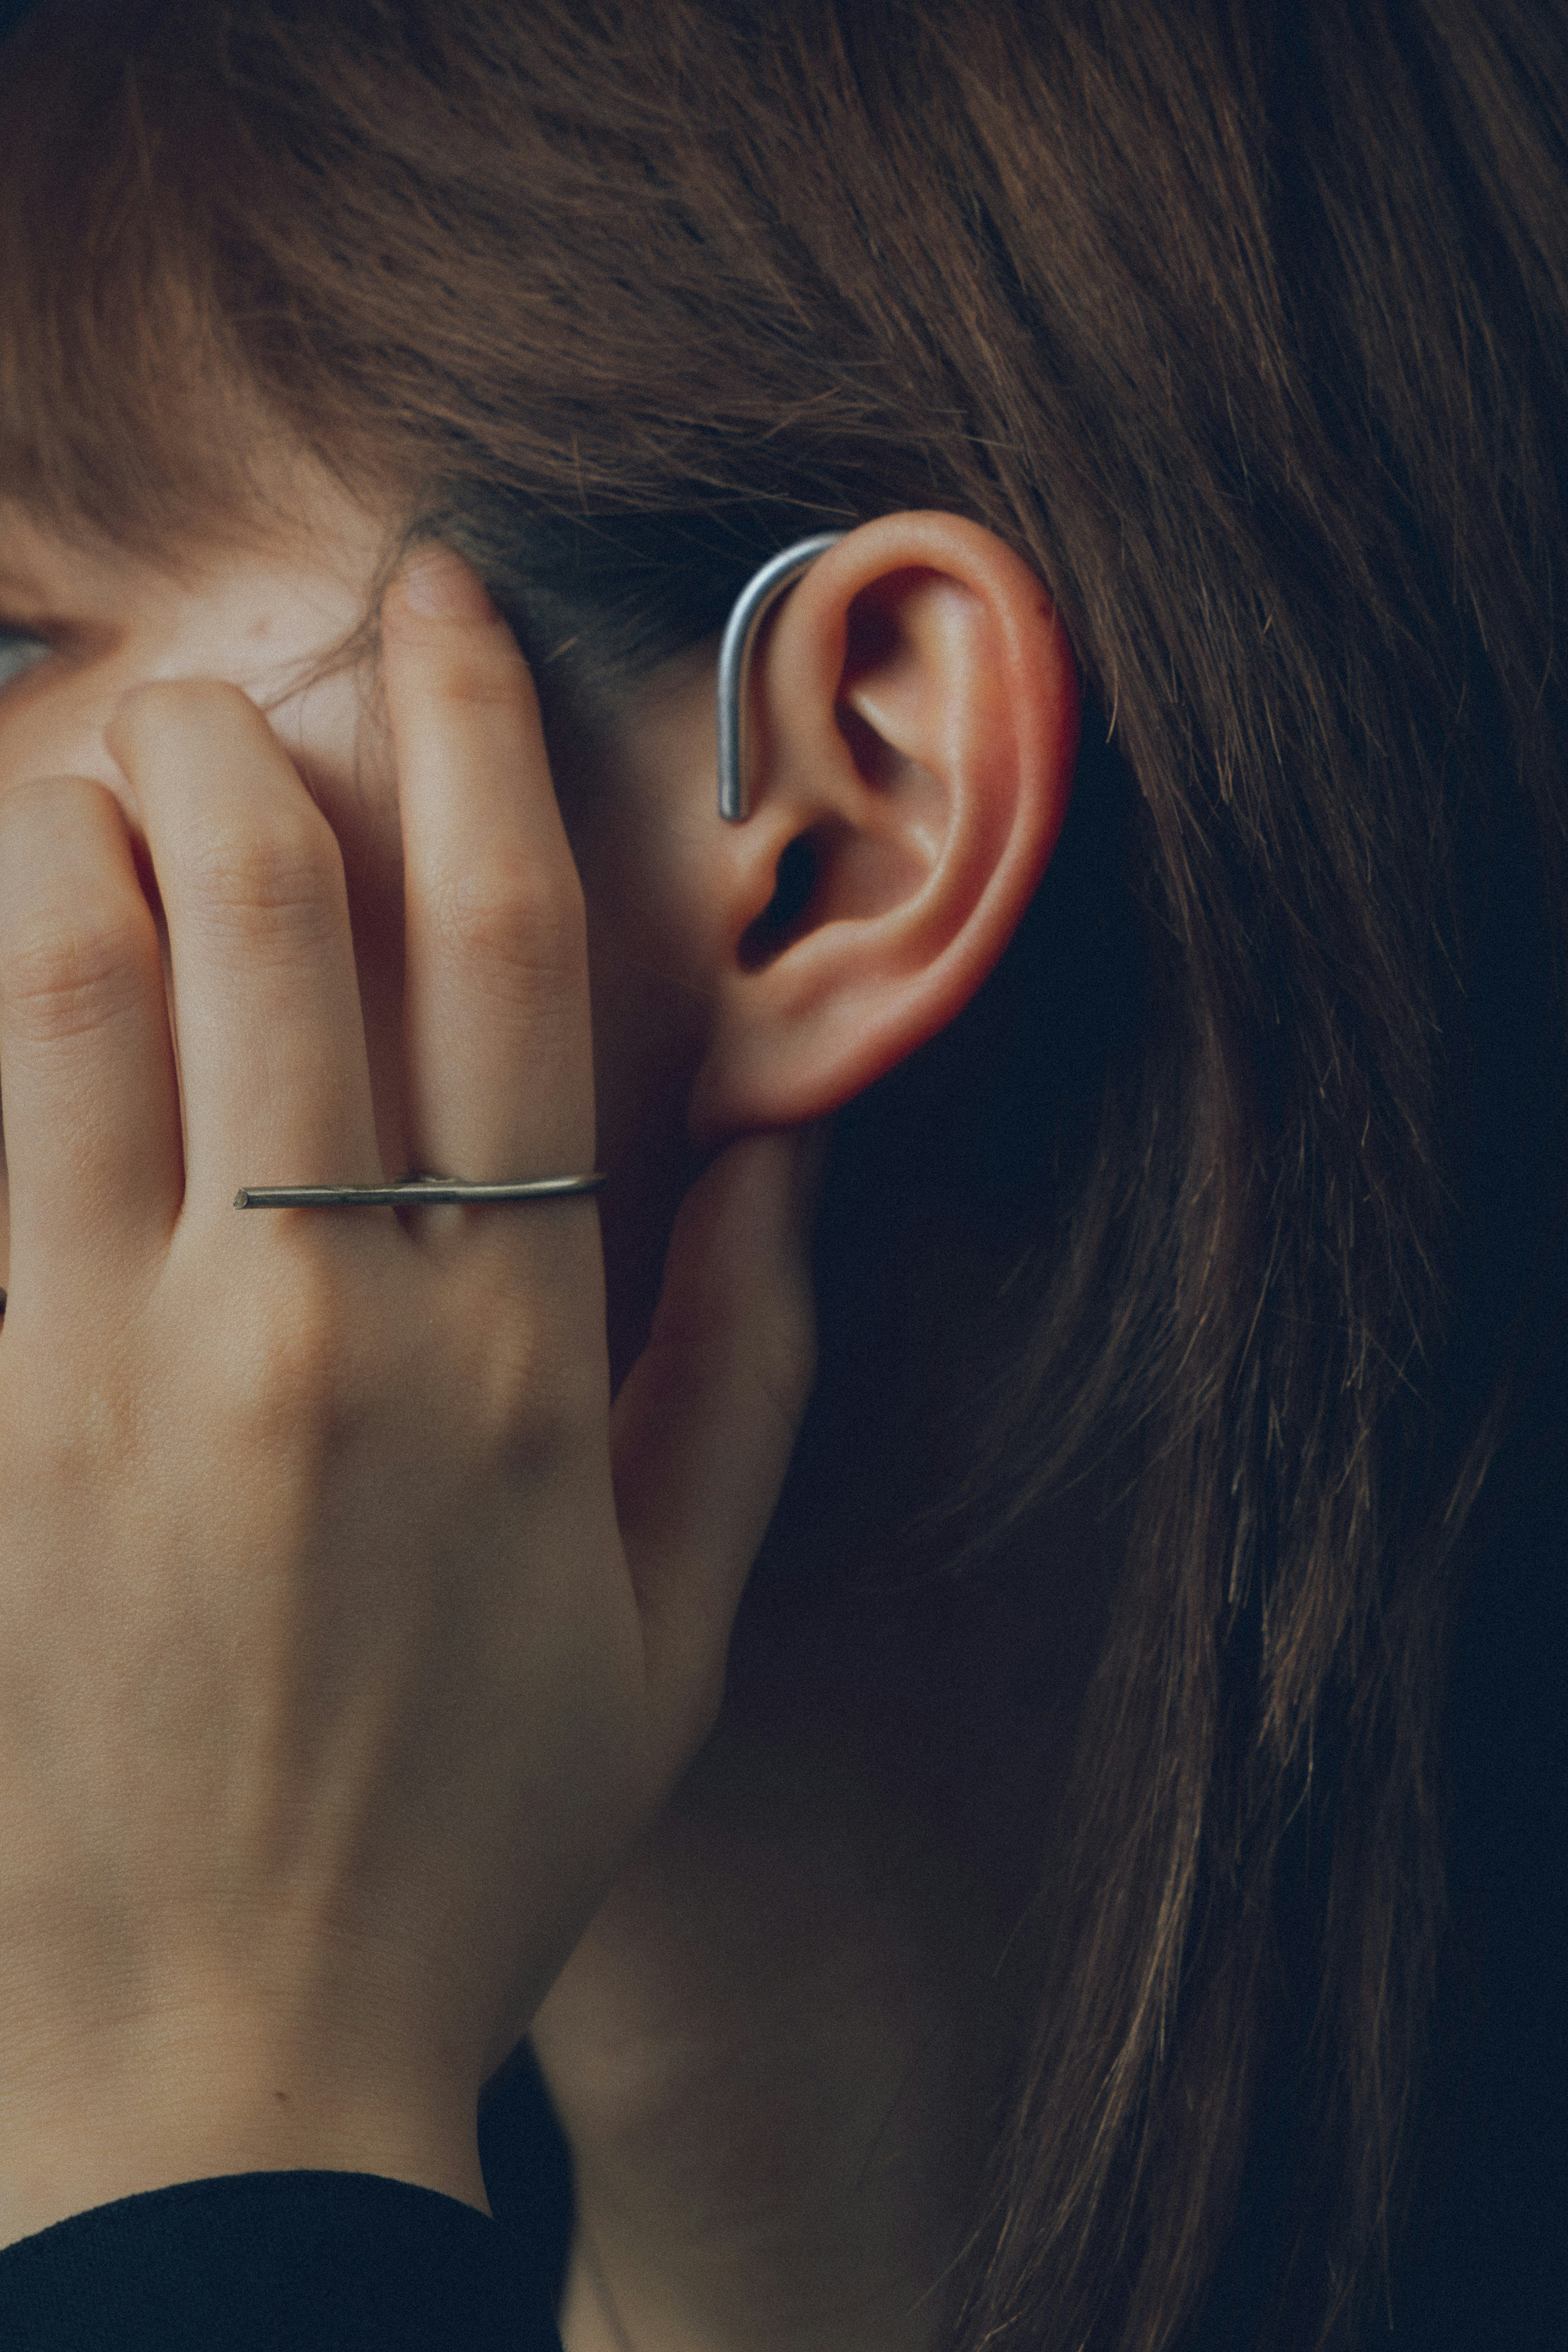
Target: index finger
{"points": [[496, 1034]]}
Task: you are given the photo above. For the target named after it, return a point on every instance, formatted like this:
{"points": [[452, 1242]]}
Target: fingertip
{"points": [[436, 584], [146, 713]]}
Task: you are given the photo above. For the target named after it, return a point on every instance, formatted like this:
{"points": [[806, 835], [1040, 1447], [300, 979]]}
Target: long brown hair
{"points": [[1247, 325]]}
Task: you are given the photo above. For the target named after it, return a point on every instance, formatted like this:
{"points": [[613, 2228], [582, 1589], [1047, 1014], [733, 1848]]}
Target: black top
{"points": [[276, 2262], [312, 2262]]}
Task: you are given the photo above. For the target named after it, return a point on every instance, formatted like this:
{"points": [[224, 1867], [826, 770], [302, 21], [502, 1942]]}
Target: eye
{"points": [[18, 652]]}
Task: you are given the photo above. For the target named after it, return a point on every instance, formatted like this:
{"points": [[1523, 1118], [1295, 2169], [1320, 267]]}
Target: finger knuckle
{"points": [[511, 1395], [517, 929], [281, 884], [67, 970], [528, 1396], [298, 1376]]}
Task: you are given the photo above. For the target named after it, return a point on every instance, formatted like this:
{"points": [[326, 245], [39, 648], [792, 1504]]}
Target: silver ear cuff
{"points": [[750, 608]]}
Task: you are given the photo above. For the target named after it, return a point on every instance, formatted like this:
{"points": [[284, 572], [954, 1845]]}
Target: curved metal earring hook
{"points": [[749, 610]]}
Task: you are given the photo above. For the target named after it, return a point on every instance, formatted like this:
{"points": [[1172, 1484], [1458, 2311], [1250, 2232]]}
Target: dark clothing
{"points": [[311, 2261], [276, 2262]]}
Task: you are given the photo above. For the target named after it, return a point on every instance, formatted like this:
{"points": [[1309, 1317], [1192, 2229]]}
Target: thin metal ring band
{"points": [[417, 1192], [747, 613]]}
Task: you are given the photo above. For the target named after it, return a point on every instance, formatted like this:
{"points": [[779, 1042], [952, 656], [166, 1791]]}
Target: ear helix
{"points": [[750, 608]]}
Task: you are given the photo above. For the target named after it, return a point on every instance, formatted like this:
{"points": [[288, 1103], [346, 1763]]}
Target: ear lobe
{"points": [[917, 703]]}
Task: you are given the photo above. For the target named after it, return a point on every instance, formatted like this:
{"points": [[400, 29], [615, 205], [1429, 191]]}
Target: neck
{"points": [[783, 2050], [781, 2053]]}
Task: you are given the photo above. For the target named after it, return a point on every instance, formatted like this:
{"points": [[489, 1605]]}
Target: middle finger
{"points": [[498, 1038]]}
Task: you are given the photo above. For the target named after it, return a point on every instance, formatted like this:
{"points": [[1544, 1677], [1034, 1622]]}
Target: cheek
{"points": [[645, 940], [647, 1040]]}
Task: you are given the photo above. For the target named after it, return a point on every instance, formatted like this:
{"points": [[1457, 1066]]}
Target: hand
{"points": [[346, 1647]]}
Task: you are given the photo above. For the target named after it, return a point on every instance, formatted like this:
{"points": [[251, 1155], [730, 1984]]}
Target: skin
{"points": [[787, 1896]]}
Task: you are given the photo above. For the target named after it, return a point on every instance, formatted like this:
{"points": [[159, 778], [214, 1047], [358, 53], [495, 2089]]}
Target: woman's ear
{"points": [[915, 726]]}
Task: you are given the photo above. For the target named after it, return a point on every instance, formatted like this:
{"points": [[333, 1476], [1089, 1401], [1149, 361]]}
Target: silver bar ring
{"points": [[413, 1192]]}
